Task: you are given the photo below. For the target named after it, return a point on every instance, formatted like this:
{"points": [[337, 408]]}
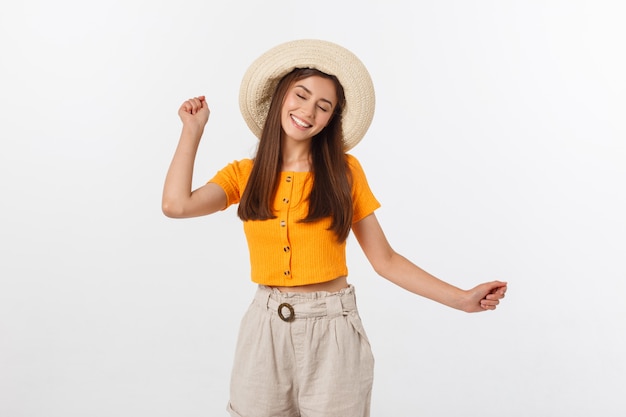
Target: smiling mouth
{"points": [[300, 122]]}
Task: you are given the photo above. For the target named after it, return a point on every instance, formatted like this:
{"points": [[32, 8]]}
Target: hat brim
{"points": [[263, 75]]}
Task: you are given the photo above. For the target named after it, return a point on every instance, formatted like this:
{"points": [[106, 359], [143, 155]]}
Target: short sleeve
{"points": [[233, 179], [363, 200]]}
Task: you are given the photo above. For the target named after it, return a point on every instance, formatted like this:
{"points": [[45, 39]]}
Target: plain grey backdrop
{"points": [[498, 151]]}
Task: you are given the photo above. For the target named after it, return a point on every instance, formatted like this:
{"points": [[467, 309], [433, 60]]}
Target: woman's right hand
{"points": [[194, 112]]}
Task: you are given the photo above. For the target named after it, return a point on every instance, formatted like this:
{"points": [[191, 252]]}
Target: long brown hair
{"points": [[331, 192]]}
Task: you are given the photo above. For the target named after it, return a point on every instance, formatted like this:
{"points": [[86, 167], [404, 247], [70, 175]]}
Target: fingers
{"points": [[497, 286], [194, 105], [493, 297], [497, 291], [496, 294], [487, 304]]}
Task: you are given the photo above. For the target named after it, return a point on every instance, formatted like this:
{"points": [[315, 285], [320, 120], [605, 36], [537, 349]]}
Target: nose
{"points": [[309, 109]]}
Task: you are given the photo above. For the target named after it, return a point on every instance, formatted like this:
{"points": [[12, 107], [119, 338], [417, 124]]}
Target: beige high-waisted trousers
{"points": [[302, 355]]}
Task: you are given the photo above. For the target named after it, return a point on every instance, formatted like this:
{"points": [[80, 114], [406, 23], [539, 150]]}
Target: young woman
{"points": [[302, 350]]}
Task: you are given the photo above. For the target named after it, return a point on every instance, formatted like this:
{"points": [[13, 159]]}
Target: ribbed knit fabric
{"points": [[284, 252]]}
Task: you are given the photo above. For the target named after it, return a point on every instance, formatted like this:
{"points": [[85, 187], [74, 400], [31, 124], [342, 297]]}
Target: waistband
{"points": [[290, 306]]}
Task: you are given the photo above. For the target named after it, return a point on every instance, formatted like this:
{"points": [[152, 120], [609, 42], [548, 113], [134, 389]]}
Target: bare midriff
{"points": [[334, 285]]}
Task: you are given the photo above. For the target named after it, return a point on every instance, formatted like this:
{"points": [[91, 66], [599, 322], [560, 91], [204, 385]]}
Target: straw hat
{"points": [[262, 77]]}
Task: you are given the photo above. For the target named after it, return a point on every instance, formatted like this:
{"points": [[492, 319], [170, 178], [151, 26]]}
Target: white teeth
{"points": [[299, 122]]}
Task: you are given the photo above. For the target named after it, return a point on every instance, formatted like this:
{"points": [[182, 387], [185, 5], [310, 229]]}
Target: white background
{"points": [[498, 151]]}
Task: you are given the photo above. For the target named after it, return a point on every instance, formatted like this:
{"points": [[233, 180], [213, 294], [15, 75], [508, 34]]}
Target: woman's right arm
{"points": [[179, 201]]}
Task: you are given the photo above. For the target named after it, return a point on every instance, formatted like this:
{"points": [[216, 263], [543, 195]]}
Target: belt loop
{"points": [[268, 297], [263, 295], [334, 307]]}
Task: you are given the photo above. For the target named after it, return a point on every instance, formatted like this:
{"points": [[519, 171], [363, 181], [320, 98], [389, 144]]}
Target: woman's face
{"points": [[308, 107]]}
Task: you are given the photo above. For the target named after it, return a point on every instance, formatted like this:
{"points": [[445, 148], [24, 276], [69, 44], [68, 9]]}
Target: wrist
{"points": [[464, 301], [192, 130]]}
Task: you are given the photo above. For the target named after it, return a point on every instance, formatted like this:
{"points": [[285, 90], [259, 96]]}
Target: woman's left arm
{"points": [[402, 272]]}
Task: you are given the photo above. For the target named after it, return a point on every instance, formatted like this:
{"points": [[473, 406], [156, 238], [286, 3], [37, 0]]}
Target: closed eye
{"points": [[303, 93]]}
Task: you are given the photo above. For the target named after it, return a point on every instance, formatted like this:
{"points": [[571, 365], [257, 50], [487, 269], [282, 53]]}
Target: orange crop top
{"points": [[284, 252]]}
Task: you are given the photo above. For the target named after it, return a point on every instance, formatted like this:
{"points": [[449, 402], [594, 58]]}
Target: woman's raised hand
{"points": [[194, 112]]}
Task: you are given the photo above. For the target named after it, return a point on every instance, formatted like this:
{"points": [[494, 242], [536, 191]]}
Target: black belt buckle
{"points": [[292, 313]]}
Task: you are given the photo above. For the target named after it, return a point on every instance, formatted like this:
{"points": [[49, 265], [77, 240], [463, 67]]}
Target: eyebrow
{"points": [[309, 91]]}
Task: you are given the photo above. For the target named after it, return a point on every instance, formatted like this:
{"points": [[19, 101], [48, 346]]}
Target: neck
{"points": [[296, 156]]}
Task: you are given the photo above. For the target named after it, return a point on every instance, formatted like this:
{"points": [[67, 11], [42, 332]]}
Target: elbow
{"points": [[383, 266], [381, 271], [171, 209]]}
